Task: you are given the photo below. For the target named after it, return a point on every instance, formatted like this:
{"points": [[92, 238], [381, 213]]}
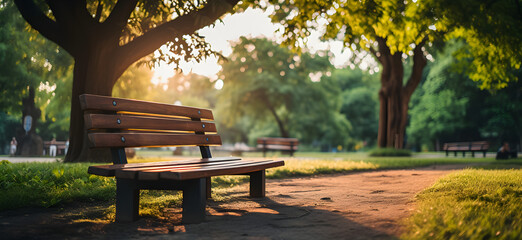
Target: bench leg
{"points": [[473, 154], [194, 200], [209, 187], [455, 153], [127, 200], [257, 184]]}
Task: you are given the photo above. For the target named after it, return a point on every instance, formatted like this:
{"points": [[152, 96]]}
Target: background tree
{"points": [[270, 84], [106, 37], [29, 61], [359, 104], [393, 31], [450, 107]]}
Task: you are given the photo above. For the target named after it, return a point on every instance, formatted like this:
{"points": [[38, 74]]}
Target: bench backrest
{"points": [[281, 143], [462, 146], [117, 123]]}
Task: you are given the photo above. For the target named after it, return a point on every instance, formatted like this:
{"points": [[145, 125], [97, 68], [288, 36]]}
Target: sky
{"points": [[251, 23]]}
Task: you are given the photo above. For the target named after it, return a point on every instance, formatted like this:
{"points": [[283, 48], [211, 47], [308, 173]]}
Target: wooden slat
{"points": [[151, 140], [110, 170], [223, 170], [466, 146], [152, 173], [277, 147], [278, 141], [149, 123], [105, 103]]}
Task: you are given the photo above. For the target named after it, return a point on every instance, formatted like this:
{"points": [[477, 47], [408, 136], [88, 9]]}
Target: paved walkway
{"points": [[31, 159]]}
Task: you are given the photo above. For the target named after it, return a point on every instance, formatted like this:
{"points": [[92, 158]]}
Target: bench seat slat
{"points": [[105, 103], [110, 170], [154, 174], [223, 170], [131, 173], [137, 122], [151, 140]]}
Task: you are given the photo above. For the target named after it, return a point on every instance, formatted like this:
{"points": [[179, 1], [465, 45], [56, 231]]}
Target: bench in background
{"points": [[480, 146], [277, 144], [60, 147], [119, 123]]}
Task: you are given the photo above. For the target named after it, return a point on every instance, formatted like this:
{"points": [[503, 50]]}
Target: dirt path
{"points": [[368, 205]]}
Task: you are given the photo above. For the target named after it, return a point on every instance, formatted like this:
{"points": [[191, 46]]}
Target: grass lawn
{"points": [[54, 184], [470, 204]]}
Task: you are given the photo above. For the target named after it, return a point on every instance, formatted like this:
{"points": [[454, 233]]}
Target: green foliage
{"points": [[390, 152], [493, 33], [267, 83], [471, 204], [449, 107], [49, 184], [492, 29], [359, 104], [29, 60]]}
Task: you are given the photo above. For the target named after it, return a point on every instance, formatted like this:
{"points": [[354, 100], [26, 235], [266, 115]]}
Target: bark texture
{"points": [[394, 95], [100, 57]]}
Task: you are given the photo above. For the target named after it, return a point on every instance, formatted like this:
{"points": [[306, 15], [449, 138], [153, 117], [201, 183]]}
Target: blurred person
{"points": [[52, 148], [504, 152], [12, 150]]}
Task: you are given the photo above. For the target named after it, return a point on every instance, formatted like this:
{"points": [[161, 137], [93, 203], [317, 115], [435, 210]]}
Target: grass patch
{"points": [[470, 204], [48, 184], [52, 184], [390, 152]]}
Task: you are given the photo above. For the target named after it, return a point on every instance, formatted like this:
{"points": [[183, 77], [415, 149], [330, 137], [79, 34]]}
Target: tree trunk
{"points": [[282, 130], [94, 73], [99, 53], [394, 96]]}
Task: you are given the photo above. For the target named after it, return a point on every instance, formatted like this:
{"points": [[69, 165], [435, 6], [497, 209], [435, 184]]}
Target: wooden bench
{"points": [[119, 123], [60, 147], [481, 146], [277, 144]]}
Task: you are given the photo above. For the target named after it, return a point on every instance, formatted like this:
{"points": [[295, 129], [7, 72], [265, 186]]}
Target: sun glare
{"points": [[222, 34]]}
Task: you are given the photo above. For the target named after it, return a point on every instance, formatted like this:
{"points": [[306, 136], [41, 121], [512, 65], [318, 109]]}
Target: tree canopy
{"points": [[269, 83], [392, 31], [449, 107], [106, 37]]}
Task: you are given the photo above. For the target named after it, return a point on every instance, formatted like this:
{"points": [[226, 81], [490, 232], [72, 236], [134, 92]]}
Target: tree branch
{"points": [[186, 24], [419, 62], [98, 11], [41, 23], [120, 14]]}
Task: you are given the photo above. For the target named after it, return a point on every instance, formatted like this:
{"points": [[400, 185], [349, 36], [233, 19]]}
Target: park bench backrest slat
{"points": [[466, 146], [278, 141], [94, 121], [151, 140], [118, 123], [104, 103]]}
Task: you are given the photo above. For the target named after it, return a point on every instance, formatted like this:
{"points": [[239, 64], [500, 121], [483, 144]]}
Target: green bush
{"points": [[390, 152]]}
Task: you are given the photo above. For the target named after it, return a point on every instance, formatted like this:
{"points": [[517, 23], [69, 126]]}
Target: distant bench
{"points": [[277, 144], [60, 147], [481, 146], [117, 123]]}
